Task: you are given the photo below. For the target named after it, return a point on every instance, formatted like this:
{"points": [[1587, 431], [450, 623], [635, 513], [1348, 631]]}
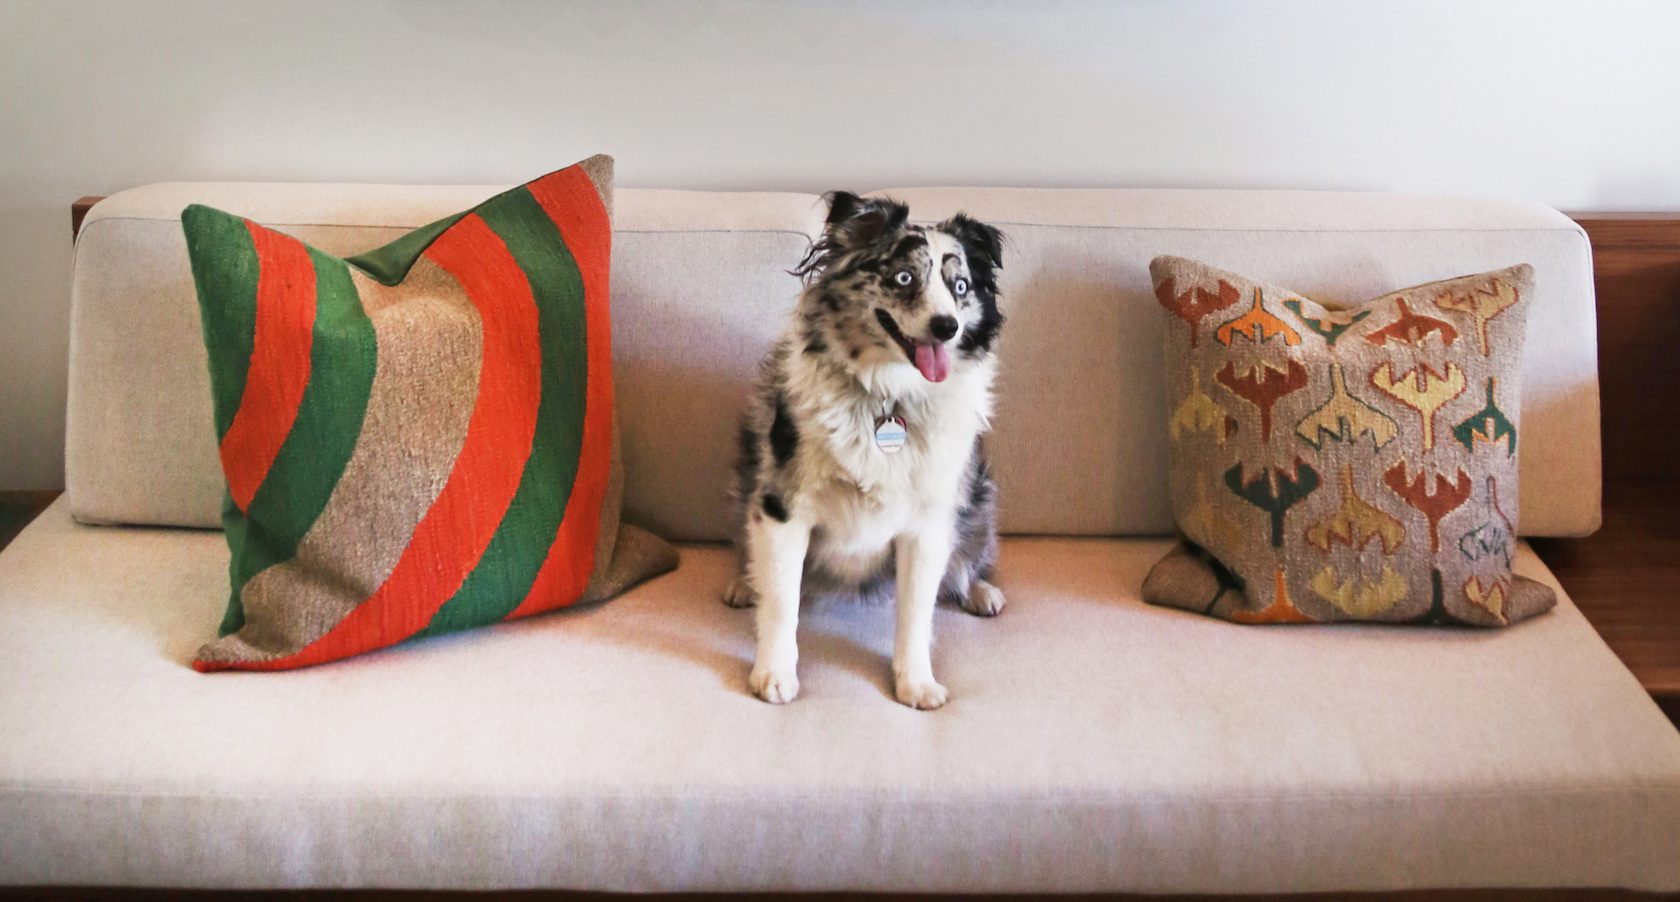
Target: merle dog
{"points": [[861, 466]]}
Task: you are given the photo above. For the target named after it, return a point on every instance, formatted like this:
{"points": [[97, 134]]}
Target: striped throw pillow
{"points": [[419, 439]]}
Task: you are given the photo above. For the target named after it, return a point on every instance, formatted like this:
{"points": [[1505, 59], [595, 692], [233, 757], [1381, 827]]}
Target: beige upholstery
{"points": [[700, 287], [1092, 743]]}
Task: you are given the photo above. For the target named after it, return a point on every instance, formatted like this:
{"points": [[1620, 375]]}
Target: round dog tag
{"points": [[890, 434]]}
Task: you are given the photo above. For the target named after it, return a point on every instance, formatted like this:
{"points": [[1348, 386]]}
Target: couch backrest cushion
{"points": [[1081, 435], [699, 286], [700, 289]]}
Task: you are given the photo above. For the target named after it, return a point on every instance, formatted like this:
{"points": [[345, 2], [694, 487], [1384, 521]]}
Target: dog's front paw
{"points": [[984, 599], [739, 594], [778, 686], [922, 693]]}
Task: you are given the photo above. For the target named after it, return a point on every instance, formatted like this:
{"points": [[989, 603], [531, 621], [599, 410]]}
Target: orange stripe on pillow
{"points": [[458, 526], [279, 367], [571, 201]]}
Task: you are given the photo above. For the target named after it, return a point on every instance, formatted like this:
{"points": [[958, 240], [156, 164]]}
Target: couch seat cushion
{"points": [[1092, 743]]}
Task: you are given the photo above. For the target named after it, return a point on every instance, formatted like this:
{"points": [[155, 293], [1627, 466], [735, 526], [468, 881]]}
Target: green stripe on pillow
{"points": [[329, 420], [390, 264], [516, 552], [224, 265]]}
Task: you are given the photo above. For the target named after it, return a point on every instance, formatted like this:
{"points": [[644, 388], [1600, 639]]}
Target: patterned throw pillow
{"points": [[419, 439], [1344, 464]]}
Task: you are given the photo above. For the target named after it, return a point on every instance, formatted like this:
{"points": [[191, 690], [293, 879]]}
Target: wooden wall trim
{"points": [[1624, 578], [1636, 276], [1618, 231], [79, 211]]}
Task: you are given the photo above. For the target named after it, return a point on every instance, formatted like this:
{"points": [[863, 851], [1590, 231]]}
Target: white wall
{"points": [[1573, 103]]}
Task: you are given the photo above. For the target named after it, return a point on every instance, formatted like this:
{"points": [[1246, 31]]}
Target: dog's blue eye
{"points": [[960, 286], [904, 277]]}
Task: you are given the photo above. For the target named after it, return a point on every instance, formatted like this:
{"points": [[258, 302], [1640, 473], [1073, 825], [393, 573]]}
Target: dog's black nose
{"points": [[943, 327]]}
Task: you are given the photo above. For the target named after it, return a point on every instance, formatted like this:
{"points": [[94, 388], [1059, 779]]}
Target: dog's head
{"points": [[888, 292]]}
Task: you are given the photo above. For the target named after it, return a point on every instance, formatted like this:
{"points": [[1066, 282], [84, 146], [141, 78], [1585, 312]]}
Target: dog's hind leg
{"points": [[976, 551], [983, 599], [970, 592]]}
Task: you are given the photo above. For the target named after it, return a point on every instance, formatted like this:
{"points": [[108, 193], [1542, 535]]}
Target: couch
{"points": [[1093, 743]]}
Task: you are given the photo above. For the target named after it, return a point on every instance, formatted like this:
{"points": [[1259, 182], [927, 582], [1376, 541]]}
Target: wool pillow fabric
{"points": [[1344, 464], [419, 439]]}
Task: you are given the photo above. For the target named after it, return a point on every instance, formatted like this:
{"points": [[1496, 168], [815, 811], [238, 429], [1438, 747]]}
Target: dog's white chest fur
{"points": [[863, 496]]}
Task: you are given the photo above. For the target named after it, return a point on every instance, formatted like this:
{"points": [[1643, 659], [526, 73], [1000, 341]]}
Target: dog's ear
{"points": [[853, 223], [857, 222], [982, 244]]}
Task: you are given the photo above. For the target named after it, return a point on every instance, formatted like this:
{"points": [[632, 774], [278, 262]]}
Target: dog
{"points": [[860, 460]]}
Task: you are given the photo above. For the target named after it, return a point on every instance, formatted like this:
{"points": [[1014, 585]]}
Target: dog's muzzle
{"points": [[931, 358]]}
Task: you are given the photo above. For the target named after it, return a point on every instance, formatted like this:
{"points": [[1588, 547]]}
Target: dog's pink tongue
{"points": [[933, 361]]}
